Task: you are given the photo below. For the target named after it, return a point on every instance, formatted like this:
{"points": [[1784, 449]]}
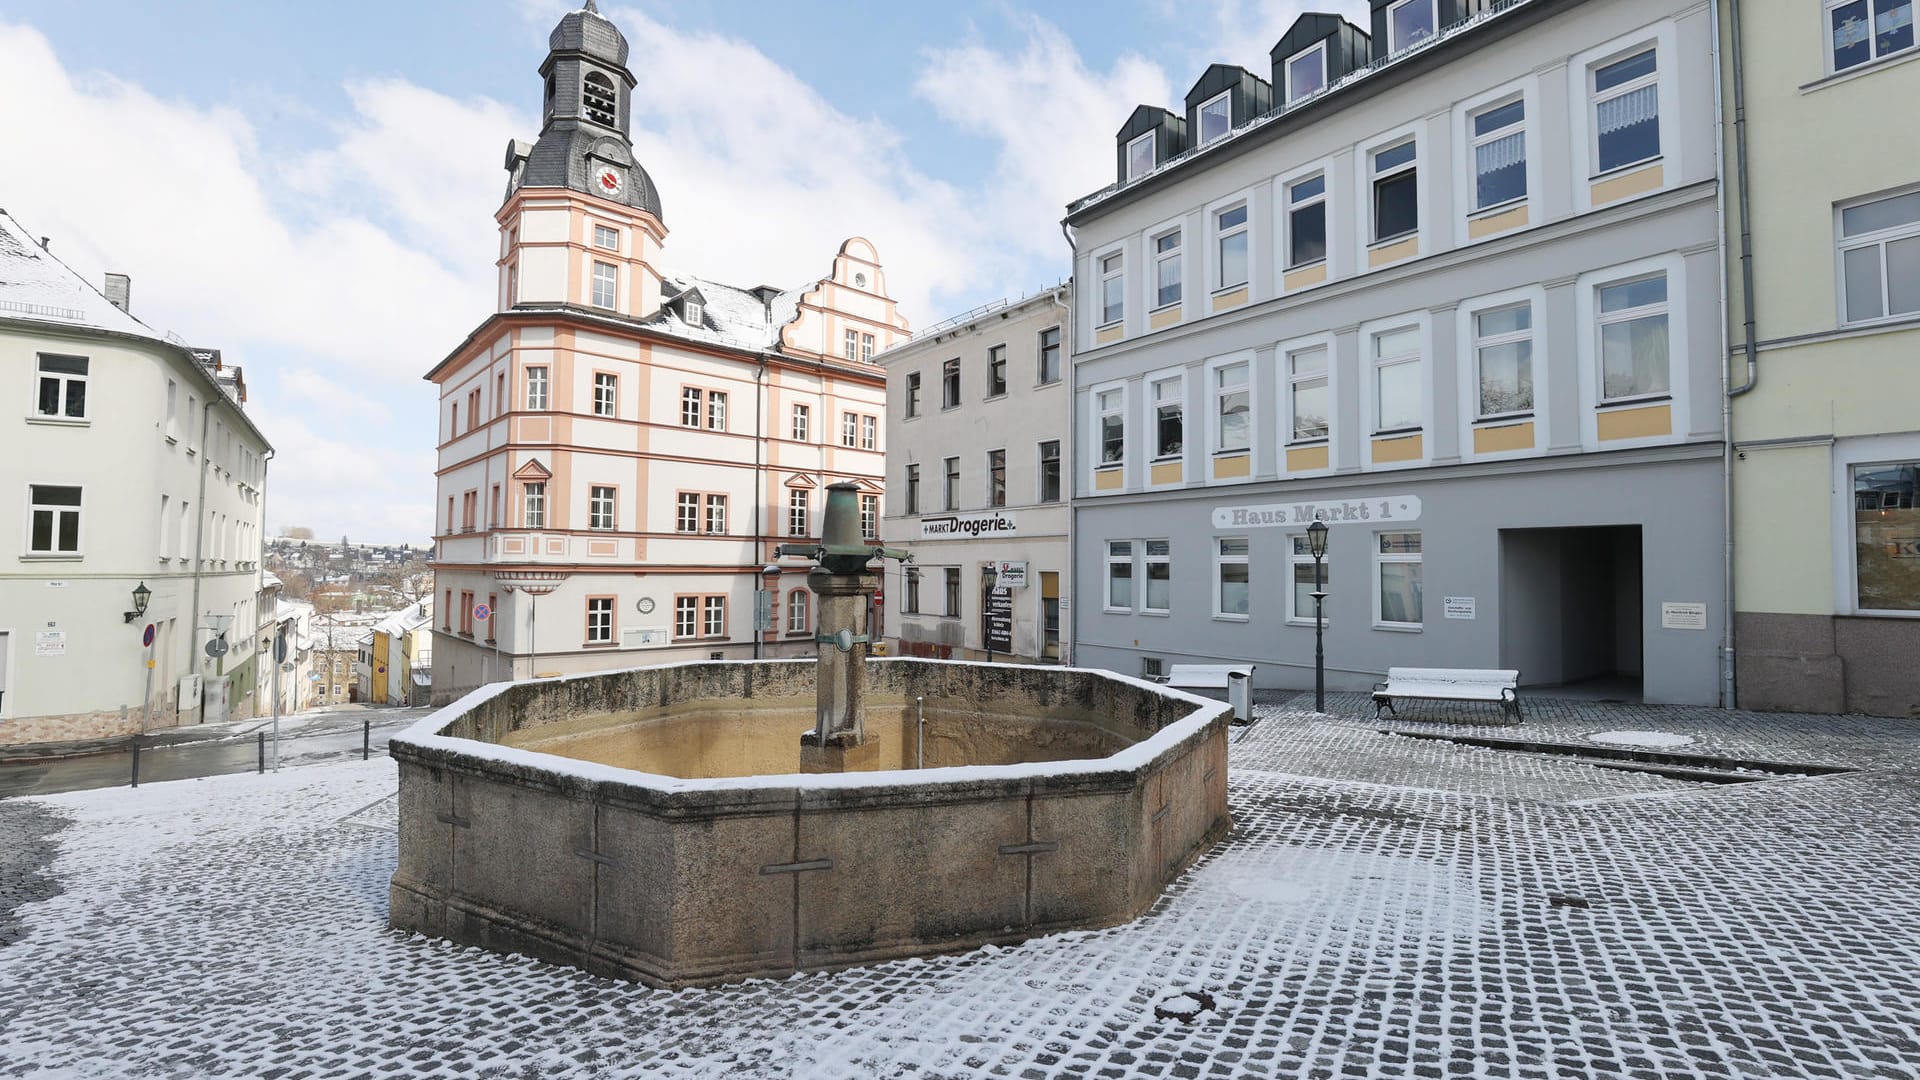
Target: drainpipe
{"points": [[1729, 685], [199, 540], [1069, 460], [260, 571]]}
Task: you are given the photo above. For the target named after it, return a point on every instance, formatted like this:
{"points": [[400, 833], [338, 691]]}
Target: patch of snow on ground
{"points": [[1641, 738]]}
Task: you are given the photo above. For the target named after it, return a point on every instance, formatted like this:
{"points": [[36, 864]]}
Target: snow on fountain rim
{"points": [[425, 735]]}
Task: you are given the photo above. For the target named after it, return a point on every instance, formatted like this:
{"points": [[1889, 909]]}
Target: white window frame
{"points": [[1465, 172], [606, 394], [849, 429], [1148, 561], [799, 512], [1096, 459], [601, 233], [1475, 140], [59, 511], [1469, 371], [693, 406], [952, 390], [1370, 407], [1130, 561], [996, 488], [1377, 362], [869, 432], [1850, 454], [1222, 559], [1877, 239], [1242, 231], [1111, 273], [869, 516], [600, 622], [1433, 13], [1582, 125], [1040, 355], [1216, 397], [797, 615], [1371, 180], [1595, 97], [1298, 555], [950, 480], [1040, 476], [1293, 378], [686, 617], [1164, 257], [866, 348], [1380, 559], [66, 380], [716, 410], [538, 386], [602, 503], [694, 312], [716, 517], [911, 404], [1476, 342], [1223, 98], [1318, 51], [1586, 304], [1874, 55], [1151, 140], [802, 422], [686, 512], [713, 616], [533, 504], [1285, 207], [996, 370], [1176, 399], [1602, 319], [851, 344], [605, 274]]}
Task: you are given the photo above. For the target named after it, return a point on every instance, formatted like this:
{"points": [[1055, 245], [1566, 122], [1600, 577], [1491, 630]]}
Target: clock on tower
{"points": [[609, 181]]}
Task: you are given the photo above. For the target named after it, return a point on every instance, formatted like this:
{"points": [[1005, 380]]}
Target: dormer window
{"points": [[695, 311], [598, 102], [1307, 72], [1216, 118], [1140, 155], [1410, 22]]}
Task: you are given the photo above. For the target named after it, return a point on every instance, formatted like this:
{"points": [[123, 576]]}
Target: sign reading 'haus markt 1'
{"points": [[1391, 509], [952, 526]]}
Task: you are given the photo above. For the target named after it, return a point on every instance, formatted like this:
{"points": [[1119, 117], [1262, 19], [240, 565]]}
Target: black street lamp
{"points": [[141, 594], [1317, 544], [989, 577]]}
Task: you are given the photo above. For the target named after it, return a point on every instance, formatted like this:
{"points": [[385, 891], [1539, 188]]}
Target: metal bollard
{"points": [[366, 738], [263, 752], [136, 763]]}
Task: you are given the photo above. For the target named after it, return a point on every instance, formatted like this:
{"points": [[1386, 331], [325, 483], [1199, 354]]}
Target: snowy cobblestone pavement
{"points": [[1386, 907]]}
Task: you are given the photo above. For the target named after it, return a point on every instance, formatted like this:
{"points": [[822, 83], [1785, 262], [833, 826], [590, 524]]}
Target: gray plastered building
{"points": [[1489, 359]]}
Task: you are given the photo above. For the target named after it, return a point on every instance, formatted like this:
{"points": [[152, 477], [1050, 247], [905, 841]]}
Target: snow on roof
{"points": [[36, 286], [269, 580], [732, 316]]}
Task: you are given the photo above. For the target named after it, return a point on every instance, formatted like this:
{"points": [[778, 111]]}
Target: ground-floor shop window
{"points": [[1230, 577], [1886, 532], [1396, 571]]}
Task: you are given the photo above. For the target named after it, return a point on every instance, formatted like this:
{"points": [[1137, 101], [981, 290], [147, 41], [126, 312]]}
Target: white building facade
{"points": [[979, 458], [131, 465]]}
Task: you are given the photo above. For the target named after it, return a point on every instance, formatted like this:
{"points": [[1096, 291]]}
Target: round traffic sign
{"points": [[146, 636], [481, 612]]}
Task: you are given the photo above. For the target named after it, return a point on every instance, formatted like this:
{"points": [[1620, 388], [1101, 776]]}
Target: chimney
{"points": [[118, 287]]}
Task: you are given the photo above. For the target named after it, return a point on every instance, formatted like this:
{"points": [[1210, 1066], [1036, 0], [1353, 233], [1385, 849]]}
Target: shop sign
{"points": [[1458, 607], [970, 526], [1389, 509], [1677, 616], [1012, 575], [50, 643], [1000, 621]]}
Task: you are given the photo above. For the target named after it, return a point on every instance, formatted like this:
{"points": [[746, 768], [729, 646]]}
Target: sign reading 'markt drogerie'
{"points": [[967, 526], [1387, 509]]}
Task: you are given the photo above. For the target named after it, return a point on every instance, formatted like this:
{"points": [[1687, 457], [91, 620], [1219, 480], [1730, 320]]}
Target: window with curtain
{"points": [[1626, 112]]}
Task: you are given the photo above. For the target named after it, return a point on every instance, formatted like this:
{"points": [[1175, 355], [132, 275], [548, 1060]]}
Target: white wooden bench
{"points": [[1204, 676], [1449, 684]]}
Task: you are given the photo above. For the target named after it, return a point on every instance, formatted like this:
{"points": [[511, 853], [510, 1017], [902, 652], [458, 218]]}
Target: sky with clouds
{"points": [[311, 187]]}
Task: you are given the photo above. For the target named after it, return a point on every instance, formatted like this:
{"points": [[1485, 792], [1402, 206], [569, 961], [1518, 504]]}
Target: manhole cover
{"points": [[1184, 1007]]}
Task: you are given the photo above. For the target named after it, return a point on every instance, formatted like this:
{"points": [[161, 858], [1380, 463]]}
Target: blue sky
{"points": [[311, 187]]}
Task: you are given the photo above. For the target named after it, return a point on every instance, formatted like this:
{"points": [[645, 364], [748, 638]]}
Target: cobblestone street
{"points": [[1385, 907]]}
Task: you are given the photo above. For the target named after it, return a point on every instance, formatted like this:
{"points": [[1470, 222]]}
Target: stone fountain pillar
{"points": [[843, 588]]}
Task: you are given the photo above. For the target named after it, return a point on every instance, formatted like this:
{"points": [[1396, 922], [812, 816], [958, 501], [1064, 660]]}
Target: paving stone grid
{"points": [[1386, 907]]}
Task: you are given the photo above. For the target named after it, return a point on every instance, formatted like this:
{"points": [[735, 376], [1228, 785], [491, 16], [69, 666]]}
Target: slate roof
{"points": [[732, 316], [37, 287]]}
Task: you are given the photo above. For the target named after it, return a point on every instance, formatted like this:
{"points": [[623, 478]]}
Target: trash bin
{"points": [[1240, 695]]}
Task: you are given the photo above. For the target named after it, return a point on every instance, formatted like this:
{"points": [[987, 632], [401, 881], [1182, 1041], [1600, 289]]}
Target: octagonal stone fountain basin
{"points": [[1052, 799]]}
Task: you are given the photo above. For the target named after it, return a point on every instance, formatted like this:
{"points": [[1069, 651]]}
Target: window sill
{"points": [[1497, 208], [1117, 611], [1396, 628], [1633, 403], [1621, 170], [1504, 418], [1237, 451], [597, 645], [1158, 613], [1884, 321], [1307, 623], [53, 556], [990, 397], [1121, 321], [1893, 60], [1389, 241], [1225, 289], [1318, 440], [59, 421], [1397, 433], [1220, 617]]}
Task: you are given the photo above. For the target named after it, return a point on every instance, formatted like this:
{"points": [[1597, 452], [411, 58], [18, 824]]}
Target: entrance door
{"points": [[1571, 608], [1050, 614]]}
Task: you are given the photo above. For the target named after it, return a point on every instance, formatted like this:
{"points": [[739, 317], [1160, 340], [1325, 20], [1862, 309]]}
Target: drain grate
{"points": [[1695, 767]]}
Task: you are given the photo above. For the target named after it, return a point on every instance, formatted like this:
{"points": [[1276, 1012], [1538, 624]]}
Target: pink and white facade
{"points": [[621, 447]]}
